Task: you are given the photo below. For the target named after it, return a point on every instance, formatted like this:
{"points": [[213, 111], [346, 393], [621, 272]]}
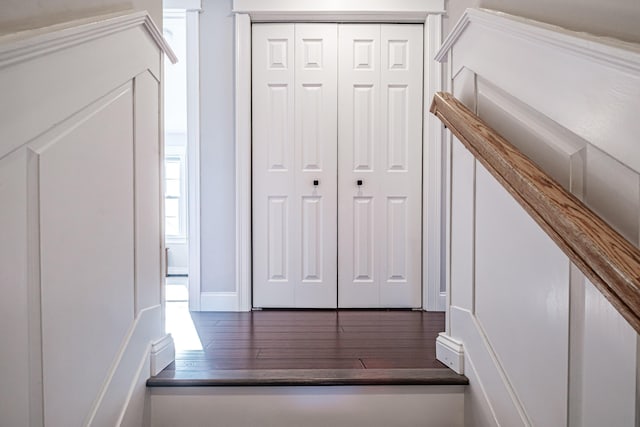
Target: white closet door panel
{"points": [[380, 143], [274, 219], [400, 165], [316, 144], [358, 137]]}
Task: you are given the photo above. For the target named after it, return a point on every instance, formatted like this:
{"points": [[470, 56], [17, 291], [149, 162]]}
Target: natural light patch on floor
{"points": [[181, 327]]}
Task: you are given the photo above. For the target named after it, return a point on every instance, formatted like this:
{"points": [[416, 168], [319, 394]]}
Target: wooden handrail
{"points": [[602, 254]]}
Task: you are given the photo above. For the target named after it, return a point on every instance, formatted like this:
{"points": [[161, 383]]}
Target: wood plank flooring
{"points": [[289, 346]]}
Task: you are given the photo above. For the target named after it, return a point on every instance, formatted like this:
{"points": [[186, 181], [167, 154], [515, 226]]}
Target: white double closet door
{"points": [[337, 165]]}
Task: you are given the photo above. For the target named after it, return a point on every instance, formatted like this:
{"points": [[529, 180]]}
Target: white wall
{"points": [[535, 332], [80, 254], [613, 18], [17, 15], [217, 147]]}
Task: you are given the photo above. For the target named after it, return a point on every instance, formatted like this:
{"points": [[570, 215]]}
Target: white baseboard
{"points": [[450, 352], [163, 352], [498, 397], [219, 301]]}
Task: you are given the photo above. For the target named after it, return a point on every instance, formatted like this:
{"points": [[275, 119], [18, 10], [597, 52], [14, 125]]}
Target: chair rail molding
{"points": [[498, 57], [430, 13]]}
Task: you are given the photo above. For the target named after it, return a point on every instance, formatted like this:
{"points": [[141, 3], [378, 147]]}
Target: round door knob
{"points": [[316, 182], [359, 182]]}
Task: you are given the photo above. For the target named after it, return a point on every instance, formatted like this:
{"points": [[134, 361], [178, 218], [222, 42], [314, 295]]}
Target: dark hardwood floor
{"points": [[345, 346]]}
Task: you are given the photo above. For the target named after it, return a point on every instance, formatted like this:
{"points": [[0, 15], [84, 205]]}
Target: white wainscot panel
{"points": [[14, 313], [522, 289], [556, 150], [87, 243], [462, 226], [147, 181], [607, 396], [612, 190], [464, 88]]}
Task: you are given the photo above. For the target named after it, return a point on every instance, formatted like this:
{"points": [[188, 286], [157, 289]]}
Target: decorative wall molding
{"points": [[28, 44], [595, 48], [501, 48], [243, 160], [433, 240]]}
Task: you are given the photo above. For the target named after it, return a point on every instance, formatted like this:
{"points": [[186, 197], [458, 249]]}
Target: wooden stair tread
{"points": [[306, 377]]}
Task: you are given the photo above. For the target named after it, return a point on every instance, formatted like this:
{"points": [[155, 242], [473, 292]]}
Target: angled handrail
{"points": [[605, 257]]}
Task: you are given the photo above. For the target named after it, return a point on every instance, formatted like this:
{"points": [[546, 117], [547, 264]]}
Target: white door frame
{"points": [[428, 12]]}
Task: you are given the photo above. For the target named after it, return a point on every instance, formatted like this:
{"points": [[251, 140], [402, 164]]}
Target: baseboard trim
{"points": [[114, 395], [163, 352], [450, 352], [219, 301]]}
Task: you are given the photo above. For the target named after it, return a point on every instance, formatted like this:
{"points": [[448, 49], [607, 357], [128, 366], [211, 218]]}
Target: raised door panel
{"points": [[273, 168], [316, 145]]}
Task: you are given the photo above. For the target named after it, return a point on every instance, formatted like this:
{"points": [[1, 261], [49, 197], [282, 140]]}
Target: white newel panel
{"points": [[542, 346], [81, 243]]}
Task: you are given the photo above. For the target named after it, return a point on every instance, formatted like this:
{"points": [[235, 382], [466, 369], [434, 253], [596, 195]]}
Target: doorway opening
{"points": [[181, 177]]}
